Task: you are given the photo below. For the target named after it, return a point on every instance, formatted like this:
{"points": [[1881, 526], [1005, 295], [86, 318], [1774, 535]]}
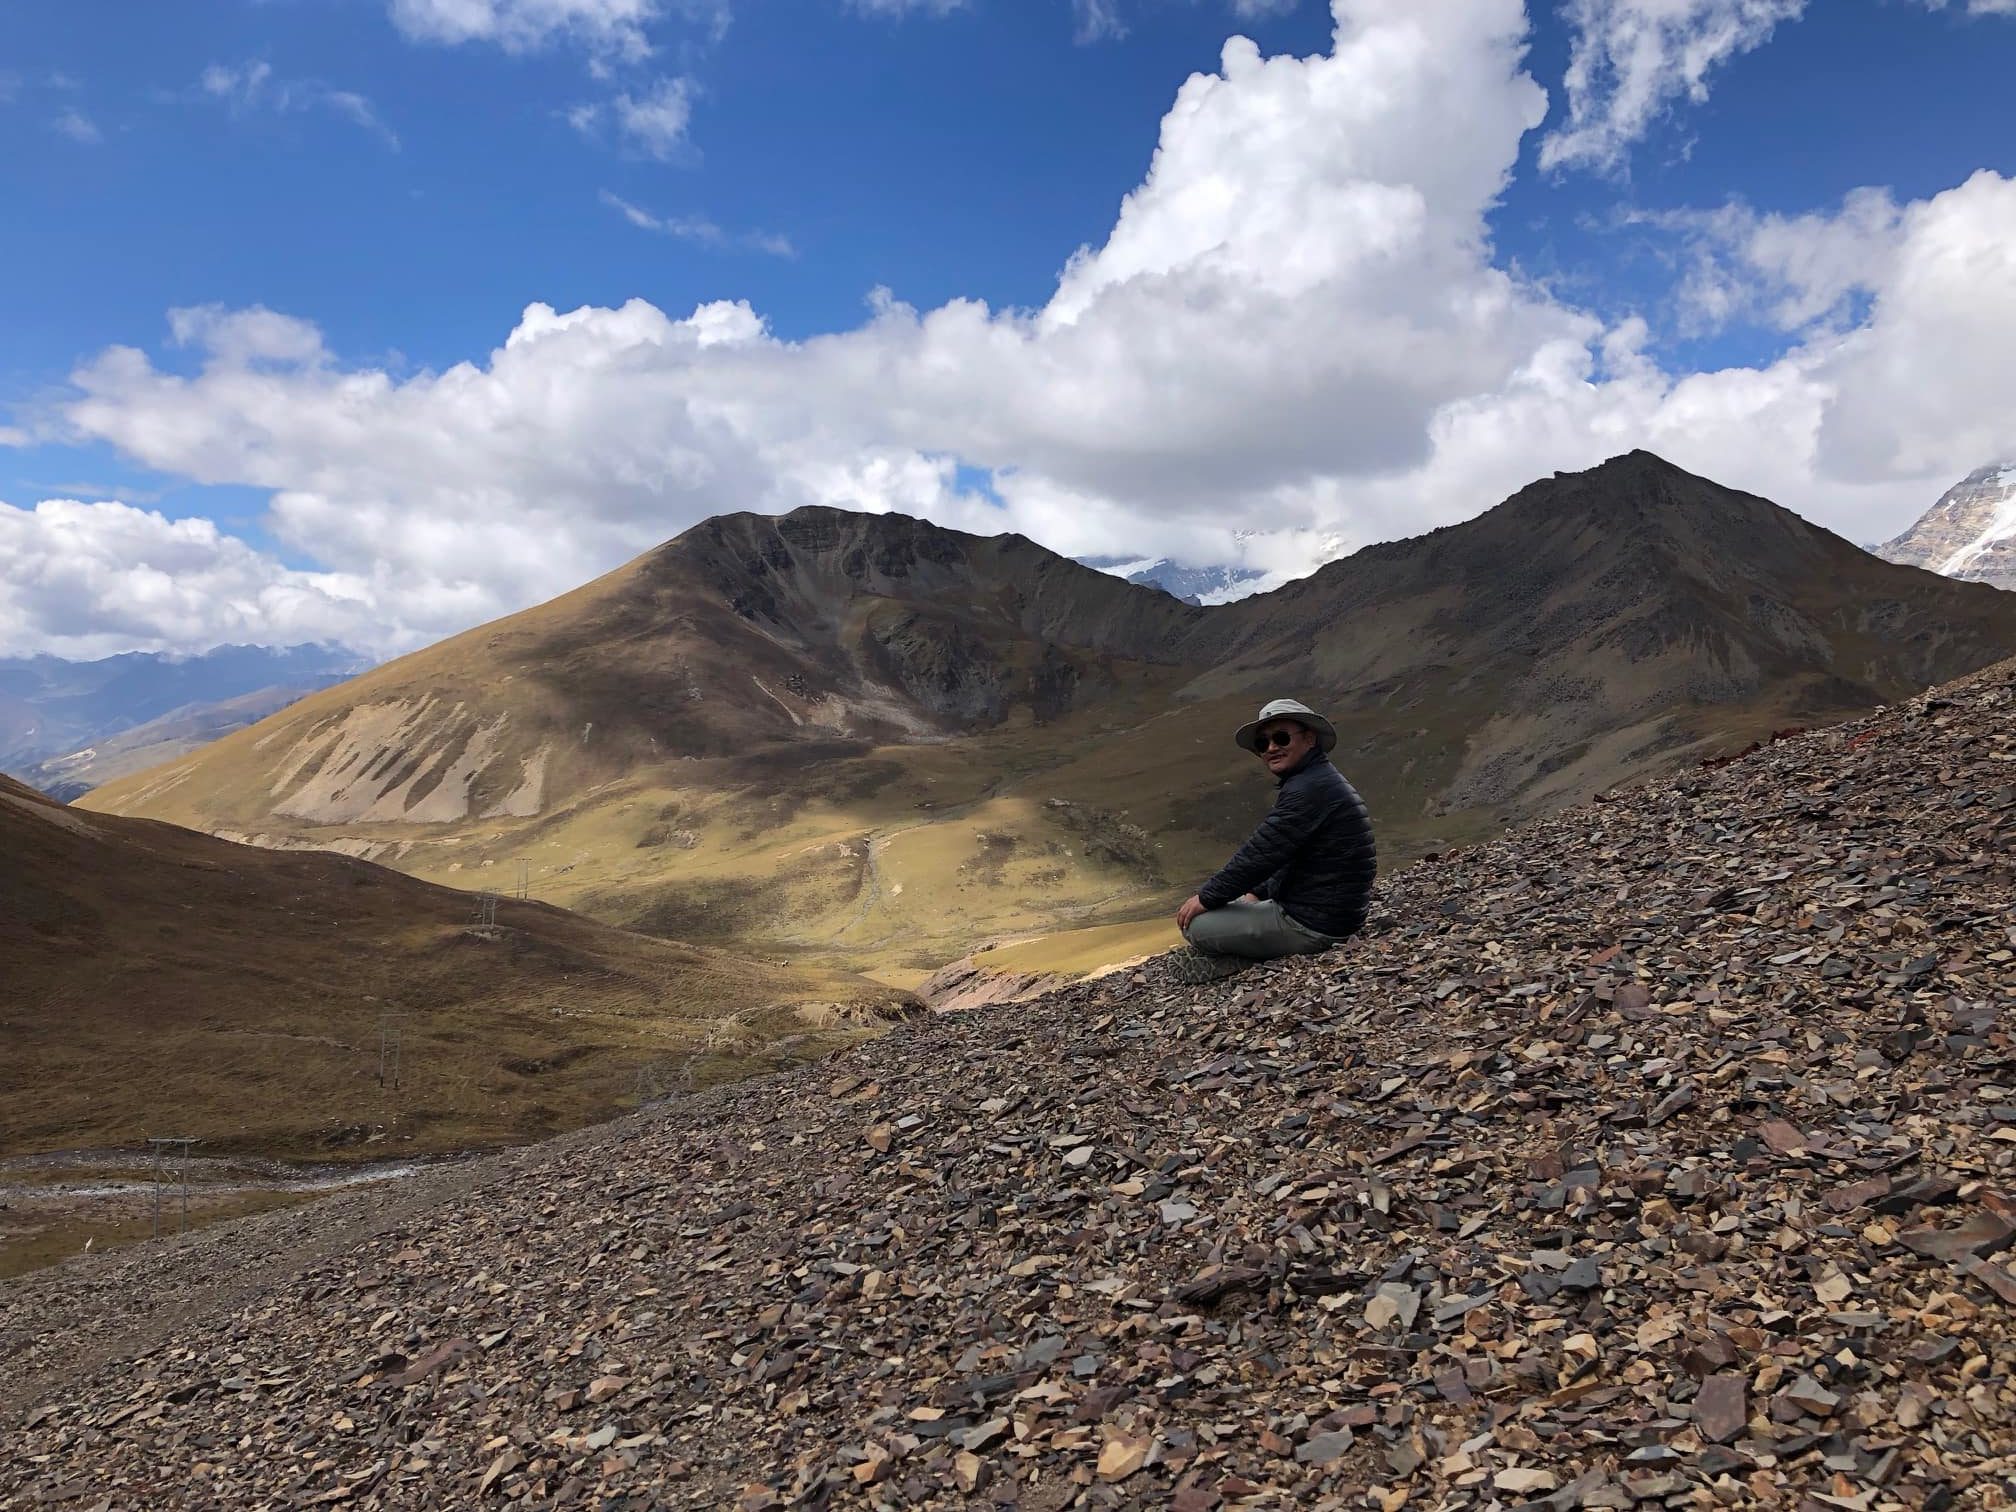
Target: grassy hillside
{"points": [[157, 981]]}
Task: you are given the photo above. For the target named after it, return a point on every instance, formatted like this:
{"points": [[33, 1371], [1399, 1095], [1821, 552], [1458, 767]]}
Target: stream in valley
{"points": [[69, 1202]]}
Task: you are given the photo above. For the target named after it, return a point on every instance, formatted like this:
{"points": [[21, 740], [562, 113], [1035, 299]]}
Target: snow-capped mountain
{"points": [[1193, 585], [1970, 533], [1222, 583]]}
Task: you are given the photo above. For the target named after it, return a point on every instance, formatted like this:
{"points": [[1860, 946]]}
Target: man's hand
{"points": [[1192, 906]]}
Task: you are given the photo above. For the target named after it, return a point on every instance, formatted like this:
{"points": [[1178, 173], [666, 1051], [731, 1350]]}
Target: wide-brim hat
{"points": [[1287, 708]]}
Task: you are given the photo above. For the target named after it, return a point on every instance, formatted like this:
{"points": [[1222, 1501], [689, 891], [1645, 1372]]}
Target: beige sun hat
{"points": [[1288, 708]]}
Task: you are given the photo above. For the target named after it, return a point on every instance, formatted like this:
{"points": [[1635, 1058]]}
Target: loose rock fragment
{"points": [[1122, 1456], [1721, 1407]]}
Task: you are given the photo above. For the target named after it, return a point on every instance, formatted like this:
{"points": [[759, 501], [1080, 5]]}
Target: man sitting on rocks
{"points": [[1304, 881]]}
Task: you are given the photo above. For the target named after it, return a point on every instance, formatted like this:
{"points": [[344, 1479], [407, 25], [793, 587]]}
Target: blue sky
{"points": [[400, 181]]}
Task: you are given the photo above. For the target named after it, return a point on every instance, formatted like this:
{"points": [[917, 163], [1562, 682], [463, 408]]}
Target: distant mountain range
{"points": [[1970, 533], [876, 743], [61, 720], [175, 733], [1193, 585]]}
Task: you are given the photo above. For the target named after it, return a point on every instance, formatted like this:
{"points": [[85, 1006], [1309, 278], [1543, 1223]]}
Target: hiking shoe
{"points": [[1191, 967]]}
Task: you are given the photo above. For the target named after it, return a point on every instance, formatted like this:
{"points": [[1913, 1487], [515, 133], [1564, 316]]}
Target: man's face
{"points": [[1282, 743]]}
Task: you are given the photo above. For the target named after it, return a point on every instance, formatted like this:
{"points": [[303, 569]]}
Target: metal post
{"points": [[389, 1046], [160, 1143]]}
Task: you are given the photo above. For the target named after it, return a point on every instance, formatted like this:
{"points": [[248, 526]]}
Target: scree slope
{"points": [[1658, 1152]]}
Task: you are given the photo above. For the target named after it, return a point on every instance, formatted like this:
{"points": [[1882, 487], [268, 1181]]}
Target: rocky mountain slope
{"points": [[1970, 533], [1658, 1153], [50, 706], [154, 980], [873, 742]]}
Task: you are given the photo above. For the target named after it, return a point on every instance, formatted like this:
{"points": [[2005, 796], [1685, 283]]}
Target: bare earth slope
{"points": [[158, 981], [1657, 1153], [879, 744]]}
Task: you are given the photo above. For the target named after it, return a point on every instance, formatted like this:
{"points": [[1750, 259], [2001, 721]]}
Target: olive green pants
{"points": [[1258, 931]]}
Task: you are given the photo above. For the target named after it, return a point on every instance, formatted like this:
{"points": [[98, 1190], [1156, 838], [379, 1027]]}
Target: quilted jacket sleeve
{"points": [[1297, 812]]}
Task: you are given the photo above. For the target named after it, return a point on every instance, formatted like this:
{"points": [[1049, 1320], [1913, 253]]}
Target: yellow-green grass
{"points": [[900, 859], [1080, 952], [903, 858], [162, 981]]}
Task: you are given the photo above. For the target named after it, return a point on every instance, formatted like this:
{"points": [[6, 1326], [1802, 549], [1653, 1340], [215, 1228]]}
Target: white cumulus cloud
{"points": [[1792, 272], [654, 120], [92, 579], [239, 338], [1098, 19], [1105, 20], [698, 229], [1631, 59], [908, 7], [616, 28], [79, 127], [1296, 325]]}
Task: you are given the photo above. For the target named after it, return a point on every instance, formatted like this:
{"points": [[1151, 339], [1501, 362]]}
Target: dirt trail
{"points": [[870, 892], [877, 841]]}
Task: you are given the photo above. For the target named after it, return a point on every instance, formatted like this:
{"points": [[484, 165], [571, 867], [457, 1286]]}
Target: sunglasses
{"points": [[1278, 740]]}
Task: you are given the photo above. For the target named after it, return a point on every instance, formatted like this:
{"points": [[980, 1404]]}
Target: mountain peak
{"points": [[1968, 533], [1637, 460]]}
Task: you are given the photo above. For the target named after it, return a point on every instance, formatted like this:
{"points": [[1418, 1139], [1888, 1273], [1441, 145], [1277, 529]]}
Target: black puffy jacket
{"points": [[1313, 853]]}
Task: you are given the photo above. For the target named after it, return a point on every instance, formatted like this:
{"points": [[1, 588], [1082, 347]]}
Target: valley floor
{"points": [[67, 1202]]}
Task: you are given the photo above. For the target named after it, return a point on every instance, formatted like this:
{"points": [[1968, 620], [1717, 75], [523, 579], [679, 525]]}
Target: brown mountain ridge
{"points": [[875, 742]]}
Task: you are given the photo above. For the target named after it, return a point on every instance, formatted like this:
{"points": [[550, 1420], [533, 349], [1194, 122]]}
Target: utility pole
{"points": [[182, 1142], [389, 1047], [524, 879]]}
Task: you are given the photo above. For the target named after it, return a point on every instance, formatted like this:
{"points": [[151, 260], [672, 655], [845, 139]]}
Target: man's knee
{"points": [[1236, 929], [1206, 931], [1258, 931]]}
